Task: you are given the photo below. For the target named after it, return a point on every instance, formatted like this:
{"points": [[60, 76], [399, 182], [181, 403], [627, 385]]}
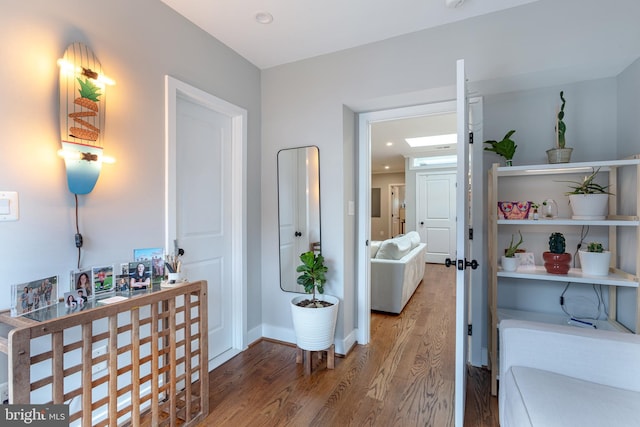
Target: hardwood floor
{"points": [[404, 377]]}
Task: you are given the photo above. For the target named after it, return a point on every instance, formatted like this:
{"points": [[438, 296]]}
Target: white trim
{"points": [[238, 116]]}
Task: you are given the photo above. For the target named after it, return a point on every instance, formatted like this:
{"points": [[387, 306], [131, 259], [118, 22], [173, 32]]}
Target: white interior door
{"points": [[201, 208], [462, 243], [436, 214]]}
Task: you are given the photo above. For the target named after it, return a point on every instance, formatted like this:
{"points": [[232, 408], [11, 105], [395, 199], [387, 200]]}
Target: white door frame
{"points": [[238, 116], [477, 295], [365, 120]]}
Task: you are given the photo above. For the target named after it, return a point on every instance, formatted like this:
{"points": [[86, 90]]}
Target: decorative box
{"points": [[513, 210]]}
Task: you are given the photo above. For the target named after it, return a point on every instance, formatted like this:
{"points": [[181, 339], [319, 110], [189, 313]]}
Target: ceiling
{"points": [[304, 29]]}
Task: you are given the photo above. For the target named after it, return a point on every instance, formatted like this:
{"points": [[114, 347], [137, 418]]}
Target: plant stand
{"points": [[305, 355]]}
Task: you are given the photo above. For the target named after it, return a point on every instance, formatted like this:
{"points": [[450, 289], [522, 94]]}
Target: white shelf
{"points": [[575, 276], [556, 319], [564, 168], [632, 222]]}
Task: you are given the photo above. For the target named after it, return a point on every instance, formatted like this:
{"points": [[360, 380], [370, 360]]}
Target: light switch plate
{"points": [[9, 206]]}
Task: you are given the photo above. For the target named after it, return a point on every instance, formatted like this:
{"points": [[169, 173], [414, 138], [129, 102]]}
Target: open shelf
{"points": [[631, 222], [556, 319], [575, 275]]}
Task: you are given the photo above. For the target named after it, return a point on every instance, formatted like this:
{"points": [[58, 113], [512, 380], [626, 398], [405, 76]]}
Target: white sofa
{"points": [[553, 375], [397, 267]]}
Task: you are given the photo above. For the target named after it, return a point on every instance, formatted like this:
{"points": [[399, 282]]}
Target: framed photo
{"points": [[72, 300], [102, 278], [122, 281], [81, 279], [156, 256], [32, 296], [140, 275]]}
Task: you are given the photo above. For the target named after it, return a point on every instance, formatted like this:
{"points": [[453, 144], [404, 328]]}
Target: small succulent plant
{"points": [[511, 250], [557, 243], [595, 247]]}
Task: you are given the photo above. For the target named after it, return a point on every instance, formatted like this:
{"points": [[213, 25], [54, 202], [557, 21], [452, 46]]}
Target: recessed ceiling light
{"points": [[386, 166], [264, 17], [430, 141], [389, 144]]}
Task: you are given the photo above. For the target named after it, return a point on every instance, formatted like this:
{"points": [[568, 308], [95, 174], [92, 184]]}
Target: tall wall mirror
{"points": [[298, 210]]}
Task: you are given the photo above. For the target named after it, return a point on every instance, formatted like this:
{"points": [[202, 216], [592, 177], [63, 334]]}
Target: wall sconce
{"points": [[82, 117]]}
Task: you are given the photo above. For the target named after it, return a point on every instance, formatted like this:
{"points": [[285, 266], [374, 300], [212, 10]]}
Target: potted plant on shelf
{"points": [[595, 260], [560, 153], [556, 260], [314, 320], [509, 260], [505, 148], [588, 199]]}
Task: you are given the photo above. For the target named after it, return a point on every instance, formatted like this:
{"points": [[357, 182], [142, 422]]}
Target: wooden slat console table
{"points": [[154, 370]]}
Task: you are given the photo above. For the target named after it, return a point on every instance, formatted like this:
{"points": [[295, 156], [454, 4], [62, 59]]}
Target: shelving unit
{"points": [[613, 223], [140, 361]]}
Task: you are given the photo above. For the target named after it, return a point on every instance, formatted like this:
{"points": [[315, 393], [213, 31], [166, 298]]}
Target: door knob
{"points": [[298, 234], [421, 222], [462, 264]]}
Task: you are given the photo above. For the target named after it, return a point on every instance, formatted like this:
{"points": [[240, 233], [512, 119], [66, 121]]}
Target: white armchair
{"points": [[553, 375]]}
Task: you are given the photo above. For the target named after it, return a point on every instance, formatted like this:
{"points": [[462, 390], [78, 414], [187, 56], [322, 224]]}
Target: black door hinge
{"points": [[470, 137], [469, 330], [471, 234]]}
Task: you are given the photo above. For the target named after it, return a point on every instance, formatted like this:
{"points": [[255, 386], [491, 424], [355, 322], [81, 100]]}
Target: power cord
{"points": [[78, 236]]}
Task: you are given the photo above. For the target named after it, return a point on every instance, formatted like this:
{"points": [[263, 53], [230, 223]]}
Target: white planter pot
{"points": [[589, 206], [314, 327], [595, 263], [510, 264]]}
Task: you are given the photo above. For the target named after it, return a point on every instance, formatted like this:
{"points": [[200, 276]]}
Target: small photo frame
{"points": [[102, 279], [35, 295], [526, 260], [122, 281], [81, 279], [156, 256], [140, 275], [73, 301]]}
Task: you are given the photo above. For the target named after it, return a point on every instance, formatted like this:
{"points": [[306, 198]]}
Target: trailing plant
{"points": [[557, 243], [505, 148], [587, 185], [511, 250], [595, 247], [313, 273], [561, 128]]}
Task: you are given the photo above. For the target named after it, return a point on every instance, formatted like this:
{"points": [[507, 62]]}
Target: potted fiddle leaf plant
{"points": [[556, 260], [595, 260], [560, 153], [588, 199], [505, 147], [509, 259], [314, 319]]}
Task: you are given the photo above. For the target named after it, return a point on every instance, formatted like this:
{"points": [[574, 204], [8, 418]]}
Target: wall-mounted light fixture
{"points": [[82, 117]]}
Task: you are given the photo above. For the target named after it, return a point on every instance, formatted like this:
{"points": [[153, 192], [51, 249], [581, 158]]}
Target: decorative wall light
{"points": [[82, 117]]}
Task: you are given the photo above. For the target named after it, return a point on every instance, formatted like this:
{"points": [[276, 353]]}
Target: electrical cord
{"points": [[78, 236]]}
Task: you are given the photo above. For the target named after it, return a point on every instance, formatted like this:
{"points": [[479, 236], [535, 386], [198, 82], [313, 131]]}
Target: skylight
{"points": [[430, 141]]}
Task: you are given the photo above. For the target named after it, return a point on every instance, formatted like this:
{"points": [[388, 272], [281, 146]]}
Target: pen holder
{"points": [[174, 277]]}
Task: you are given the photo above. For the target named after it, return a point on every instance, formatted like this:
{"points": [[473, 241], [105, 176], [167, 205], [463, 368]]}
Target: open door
{"points": [[463, 202]]}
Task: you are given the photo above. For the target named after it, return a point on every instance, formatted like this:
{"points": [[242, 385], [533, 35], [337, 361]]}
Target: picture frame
{"points": [[73, 301], [156, 256], [122, 281], [81, 279], [35, 295], [140, 275], [102, 278]]}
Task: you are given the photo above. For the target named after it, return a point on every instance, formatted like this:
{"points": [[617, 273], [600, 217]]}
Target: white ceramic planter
{"points": [[595, 263], [589, 206], [510, 264], [314, 327]]}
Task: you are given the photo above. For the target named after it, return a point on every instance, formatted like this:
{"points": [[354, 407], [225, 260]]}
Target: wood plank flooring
{"points": [[404, 377]]}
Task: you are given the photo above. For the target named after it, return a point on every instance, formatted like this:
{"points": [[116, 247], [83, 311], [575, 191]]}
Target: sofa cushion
{"points": [[395, 248], [373, 249], [414, 237], [541, 398]]}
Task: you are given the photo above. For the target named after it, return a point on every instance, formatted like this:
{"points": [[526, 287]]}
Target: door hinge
{"points": [[469, 329], [471, 234], [470, 137]]}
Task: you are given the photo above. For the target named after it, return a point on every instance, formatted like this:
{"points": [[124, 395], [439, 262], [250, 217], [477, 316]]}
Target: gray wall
{"points": [[138, 42]]}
